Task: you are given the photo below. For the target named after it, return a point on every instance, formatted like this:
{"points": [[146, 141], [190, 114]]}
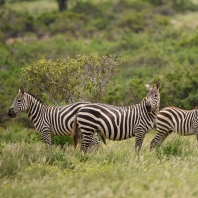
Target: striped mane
{"points": [[35, 97], [143, 99]]}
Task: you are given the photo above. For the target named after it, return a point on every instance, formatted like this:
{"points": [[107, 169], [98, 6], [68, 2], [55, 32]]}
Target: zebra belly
{"points": [[185, 132], [60, 132], [116, 134]]}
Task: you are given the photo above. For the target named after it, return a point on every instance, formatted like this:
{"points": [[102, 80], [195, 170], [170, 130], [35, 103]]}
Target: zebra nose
{"points": [[148, 107], [11, 113]]}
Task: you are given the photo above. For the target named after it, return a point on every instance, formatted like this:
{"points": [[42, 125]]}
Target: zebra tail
{"points": [[75, 132]]}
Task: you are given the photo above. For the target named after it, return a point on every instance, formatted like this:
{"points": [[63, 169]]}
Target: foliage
{"points": [[171, 148], [67, 79], [181, 83], [15, 133], [179, 5], [88, 8], [62, 140], [133, 93]]}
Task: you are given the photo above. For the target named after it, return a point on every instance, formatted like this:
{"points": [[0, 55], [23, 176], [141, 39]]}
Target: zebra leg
{"points": [[139, 137], [86, 142], [46, 137], [159, 139], [95, 143], [197, 136], [195, 126]]}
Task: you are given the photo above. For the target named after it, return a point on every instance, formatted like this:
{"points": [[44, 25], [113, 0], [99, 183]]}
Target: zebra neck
{"points": [[151, 114], [35, 110], [154, 113]]}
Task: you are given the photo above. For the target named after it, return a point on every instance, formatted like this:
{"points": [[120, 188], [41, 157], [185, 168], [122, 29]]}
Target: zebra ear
{"points": [[157, 84], [147, 86], [21, 90]]}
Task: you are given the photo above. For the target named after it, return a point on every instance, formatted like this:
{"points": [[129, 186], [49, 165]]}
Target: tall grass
{"points": [[35, 170]]}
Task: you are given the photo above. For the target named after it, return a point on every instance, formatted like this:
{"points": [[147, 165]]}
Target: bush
{"points": [[181, 82], [123, 5], [67, 79], [133, 21], [61, 140], [171, 148], [15, 133], [15, 24], [178, 5], [88, 9]]}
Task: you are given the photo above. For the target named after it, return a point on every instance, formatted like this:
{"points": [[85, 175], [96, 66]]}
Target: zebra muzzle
{"points": [[148, 107], [11, 113]]}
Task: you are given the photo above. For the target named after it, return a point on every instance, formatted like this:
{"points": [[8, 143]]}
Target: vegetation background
{"points": [[157, 39]]}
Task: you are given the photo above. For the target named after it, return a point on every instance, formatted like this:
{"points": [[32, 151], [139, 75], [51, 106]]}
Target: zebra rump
{"points": [[172, 119]]}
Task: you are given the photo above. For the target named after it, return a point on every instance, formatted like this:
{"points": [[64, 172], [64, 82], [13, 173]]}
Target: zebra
{"points": [[118, 123], [169, 119], [48, 120]]}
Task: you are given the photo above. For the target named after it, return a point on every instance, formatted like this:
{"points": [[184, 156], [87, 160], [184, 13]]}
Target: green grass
{"points": [[34, 170]]}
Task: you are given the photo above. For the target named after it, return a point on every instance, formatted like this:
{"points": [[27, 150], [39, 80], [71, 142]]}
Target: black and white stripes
{"points": [[48, 120], [172, 119], [118, 123]]}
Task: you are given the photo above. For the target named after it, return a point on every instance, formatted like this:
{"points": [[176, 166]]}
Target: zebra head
{"points": [[153, 97], [19, 104]]}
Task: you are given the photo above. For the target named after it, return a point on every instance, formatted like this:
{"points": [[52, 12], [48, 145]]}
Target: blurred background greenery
{"points": [[156, 39]]}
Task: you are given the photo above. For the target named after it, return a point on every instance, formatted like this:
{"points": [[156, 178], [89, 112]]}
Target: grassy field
{"points": [[33, 170]]}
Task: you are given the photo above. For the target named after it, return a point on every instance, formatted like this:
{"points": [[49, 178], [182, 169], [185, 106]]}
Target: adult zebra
{"points": [[169, 119], [55, 120], [118, 123]]}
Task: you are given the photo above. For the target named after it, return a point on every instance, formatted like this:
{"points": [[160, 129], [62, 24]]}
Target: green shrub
{"points": [[68, 22], [47, 18], [189, 41], [16, 133], [123, 5], [178, 5], [181, 82], [68, 79], [88, 9], [175, 147], [61, 140], [132, 20], [15, 24]]}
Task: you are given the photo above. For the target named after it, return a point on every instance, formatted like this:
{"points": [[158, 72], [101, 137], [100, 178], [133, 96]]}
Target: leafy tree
{"points": [[70, 79]]}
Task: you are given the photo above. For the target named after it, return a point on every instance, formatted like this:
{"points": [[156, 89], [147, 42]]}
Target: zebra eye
{"points": [[19, 100]]}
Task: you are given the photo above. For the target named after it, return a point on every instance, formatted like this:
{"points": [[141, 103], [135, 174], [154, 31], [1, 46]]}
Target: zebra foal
{"points": [[118, 123], [169, 119], [48, 120]]}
